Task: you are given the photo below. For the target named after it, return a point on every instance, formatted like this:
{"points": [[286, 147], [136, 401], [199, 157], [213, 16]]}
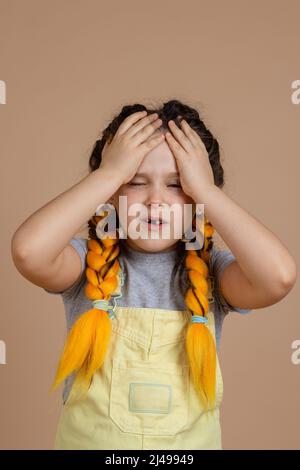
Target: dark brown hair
{"points": [[175, 110]]}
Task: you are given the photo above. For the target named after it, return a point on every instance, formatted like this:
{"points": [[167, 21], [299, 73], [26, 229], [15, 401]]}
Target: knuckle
{"points": [[124, 140], [149, 128], [149, 144]]}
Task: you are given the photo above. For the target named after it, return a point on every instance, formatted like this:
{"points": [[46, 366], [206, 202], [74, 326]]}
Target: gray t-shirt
{"points": [[157, 280]]}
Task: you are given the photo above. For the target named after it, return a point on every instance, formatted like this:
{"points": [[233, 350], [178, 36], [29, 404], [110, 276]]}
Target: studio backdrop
{"points": [[66, 68]]}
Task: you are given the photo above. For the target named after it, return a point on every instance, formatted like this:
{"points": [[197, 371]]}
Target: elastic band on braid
{"points": [[88, 340], [200, 344]]}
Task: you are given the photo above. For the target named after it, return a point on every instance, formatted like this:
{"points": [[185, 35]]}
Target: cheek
{"points": [[126, 198], [185, 203], [188, 208], [131, 201], [180, 197]]}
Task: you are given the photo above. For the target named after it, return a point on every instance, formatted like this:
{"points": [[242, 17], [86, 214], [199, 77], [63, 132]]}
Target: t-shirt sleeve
{"points": [[80, 245], [218, 262]]}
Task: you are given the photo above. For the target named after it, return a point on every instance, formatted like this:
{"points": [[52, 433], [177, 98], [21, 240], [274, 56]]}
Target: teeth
{"points": [[156, 222]]}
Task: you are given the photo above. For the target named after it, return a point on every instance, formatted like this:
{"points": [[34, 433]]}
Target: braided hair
{"points": [[87, 342]]}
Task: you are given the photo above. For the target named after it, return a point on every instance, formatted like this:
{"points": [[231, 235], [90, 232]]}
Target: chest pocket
{"points": [[148, 397]]}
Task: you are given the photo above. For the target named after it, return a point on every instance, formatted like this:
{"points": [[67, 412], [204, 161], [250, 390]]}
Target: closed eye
{"points": [[140, 184]]}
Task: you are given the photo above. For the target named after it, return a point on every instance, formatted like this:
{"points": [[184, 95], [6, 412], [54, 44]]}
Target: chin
{"points": [[152, 245]]}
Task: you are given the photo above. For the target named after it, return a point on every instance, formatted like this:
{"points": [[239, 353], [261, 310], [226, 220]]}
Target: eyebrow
{"points": [[172, 173]]}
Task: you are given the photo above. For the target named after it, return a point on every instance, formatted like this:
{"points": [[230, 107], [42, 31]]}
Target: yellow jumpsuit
{"points": [[143, 397]]}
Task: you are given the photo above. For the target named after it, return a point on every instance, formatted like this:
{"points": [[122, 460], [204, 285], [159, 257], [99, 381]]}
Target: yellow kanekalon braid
{"points": [[200, 344], [88, 340]]}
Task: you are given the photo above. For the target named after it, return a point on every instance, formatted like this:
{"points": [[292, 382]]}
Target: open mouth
{"points": [[154, 222]]}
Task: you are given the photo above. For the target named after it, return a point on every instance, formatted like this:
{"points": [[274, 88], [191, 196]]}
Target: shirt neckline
{"points": [[157, 257]]}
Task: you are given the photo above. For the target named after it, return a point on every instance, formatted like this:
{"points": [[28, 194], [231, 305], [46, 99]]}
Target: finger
{"points": [[146, 132], [144, 122], [192, 134], [153, 142], [129, 121], [176, 148], [180, 136]]}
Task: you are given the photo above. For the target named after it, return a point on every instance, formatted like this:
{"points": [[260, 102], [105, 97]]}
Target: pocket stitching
{"points": [[142, 428]]}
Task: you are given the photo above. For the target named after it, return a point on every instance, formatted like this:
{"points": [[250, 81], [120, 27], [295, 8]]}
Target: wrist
{"points": [[204, 193], [110, 175]]}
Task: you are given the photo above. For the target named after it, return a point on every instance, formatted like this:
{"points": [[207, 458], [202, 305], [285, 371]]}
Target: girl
{"points": [[140, 365]]}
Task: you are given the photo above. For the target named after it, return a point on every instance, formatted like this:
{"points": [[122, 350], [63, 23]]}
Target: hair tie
{"points": [[199, 319], [103, 304]]}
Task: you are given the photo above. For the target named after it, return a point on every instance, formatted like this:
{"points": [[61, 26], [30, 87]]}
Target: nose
{"points": [[155, 197]]}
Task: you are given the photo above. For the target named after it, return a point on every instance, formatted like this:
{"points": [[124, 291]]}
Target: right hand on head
{"points": [[124, 154]]}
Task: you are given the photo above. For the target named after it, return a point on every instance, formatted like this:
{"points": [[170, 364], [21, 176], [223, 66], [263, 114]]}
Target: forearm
{"points": [[259, 253], [44, 234]]}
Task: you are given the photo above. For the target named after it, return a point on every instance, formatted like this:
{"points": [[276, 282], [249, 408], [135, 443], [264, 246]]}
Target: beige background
{"points": [[69, 66]]}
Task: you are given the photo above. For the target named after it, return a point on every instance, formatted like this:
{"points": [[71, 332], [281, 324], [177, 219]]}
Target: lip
{"points": [[154, 226], [156, 216], [160, 219]]}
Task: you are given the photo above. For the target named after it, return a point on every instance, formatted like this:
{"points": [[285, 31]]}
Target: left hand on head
{"points": [[192, 159]]}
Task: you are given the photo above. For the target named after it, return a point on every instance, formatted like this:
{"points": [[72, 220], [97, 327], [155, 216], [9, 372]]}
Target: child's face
{"points": [[155, 185]]}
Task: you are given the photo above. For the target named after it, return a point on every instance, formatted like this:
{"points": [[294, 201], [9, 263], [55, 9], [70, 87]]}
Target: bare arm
{"points": [[264, 271], [40, 247]]}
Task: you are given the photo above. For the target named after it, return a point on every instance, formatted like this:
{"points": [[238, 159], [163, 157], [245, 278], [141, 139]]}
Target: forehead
{"points": [[159, 160]]}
